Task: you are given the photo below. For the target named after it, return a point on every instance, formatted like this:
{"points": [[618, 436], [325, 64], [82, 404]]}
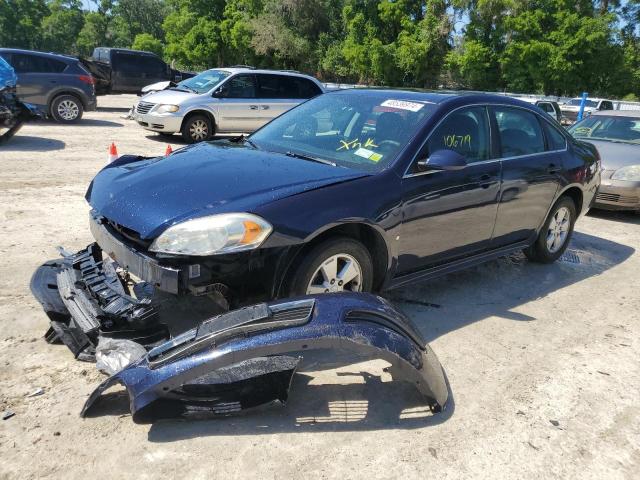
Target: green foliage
{"points": [[546, 46], [147, 42]]}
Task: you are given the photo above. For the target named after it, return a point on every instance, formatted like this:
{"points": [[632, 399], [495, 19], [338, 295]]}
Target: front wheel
{"points": [[197, 128], [339, 265], [555, 235]]}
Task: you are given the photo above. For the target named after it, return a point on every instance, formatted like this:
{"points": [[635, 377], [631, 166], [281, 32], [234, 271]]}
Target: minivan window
{"points": [[286, 86], [520, 132], [22, 63], [606, 106], [242, 86], [465, 131]]}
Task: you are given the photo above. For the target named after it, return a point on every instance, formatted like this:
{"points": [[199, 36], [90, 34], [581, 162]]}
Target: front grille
{"points": [[144, 107], [128, 233], [612, 197]]}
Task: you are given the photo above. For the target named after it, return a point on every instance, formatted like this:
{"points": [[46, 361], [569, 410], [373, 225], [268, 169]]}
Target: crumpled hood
{"points": [[149, 195]]}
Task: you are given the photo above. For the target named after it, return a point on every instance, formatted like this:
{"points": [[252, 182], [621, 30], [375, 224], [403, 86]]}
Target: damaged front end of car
{"points": [[247, 357], [85, 298]]}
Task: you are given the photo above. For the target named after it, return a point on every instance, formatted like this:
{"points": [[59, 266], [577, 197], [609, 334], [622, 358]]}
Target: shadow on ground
{"points": [[437, 307], [26, 143], [616, 216]]}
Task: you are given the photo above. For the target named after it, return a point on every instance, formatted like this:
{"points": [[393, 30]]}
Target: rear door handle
{"points": [[484, 180], [265, 107], [553, 169], [253, 107]]}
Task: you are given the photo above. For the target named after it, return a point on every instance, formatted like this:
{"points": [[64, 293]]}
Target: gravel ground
{"points": [[542, 359]]}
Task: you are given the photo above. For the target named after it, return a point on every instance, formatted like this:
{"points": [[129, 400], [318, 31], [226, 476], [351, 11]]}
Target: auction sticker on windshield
{"points": [[402, 105]]}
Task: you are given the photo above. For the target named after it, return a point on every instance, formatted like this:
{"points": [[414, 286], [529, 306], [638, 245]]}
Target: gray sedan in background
{"points": [[616, 135]]}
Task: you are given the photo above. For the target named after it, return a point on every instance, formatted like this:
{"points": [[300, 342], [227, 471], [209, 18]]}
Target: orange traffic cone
{"points": [[168, 151], [113, 153]]}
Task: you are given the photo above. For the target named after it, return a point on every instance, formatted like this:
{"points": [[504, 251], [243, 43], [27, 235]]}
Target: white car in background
{"points": [[572, 107], [224, 100]]}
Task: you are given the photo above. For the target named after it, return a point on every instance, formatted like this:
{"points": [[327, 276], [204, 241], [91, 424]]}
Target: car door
{"points": [[449, 214], [531, 174], [128, 72], [238, 105], [37, 75]]}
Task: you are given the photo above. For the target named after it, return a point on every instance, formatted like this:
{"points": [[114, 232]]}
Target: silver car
{"points": [[224, 100], [616, 135]]}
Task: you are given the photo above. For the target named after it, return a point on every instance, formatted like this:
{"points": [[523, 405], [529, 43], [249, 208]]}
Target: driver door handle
{"points": [[553, 168], [253, 107]]}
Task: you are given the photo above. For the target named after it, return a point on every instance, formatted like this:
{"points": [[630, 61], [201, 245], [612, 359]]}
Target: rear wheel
{"points": [[338, 265], [556, 233], [197, 128], [66, 109]]}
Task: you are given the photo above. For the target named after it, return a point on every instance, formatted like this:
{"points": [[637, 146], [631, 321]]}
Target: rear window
{"points": [[286, 86], [23, 63], [555, 139]]}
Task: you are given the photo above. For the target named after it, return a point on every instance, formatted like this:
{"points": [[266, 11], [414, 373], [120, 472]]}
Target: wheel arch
{"points": [[200, 111], [370, 236], [576, 194], [65, 91]]}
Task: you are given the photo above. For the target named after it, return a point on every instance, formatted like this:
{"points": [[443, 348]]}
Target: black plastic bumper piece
{"points": [[84, 298]]}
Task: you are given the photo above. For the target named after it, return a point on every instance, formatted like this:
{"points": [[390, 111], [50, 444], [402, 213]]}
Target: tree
{"points": [[20, 23], [61, 27], [147, 42]]}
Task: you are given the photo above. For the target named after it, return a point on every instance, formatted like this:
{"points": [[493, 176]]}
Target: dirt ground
{"points": [[543, 361]]}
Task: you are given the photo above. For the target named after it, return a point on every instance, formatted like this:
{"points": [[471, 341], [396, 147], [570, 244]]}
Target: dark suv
{"points": [[57, 84]]}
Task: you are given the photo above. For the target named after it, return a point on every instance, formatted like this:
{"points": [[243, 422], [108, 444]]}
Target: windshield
{"points": [[203, 82], [613, 129], [354, 130], [588, 103]]}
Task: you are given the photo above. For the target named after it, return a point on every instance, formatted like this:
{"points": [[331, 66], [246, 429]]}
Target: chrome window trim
{"points": [[492, 160]]}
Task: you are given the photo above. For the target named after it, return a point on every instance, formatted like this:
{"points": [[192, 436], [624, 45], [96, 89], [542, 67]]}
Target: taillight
{"points": [[87, 79]]}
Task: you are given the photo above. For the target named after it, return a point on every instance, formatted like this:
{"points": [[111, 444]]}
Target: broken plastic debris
{"points": [[112, 355], [36, 392], [7, 414]]}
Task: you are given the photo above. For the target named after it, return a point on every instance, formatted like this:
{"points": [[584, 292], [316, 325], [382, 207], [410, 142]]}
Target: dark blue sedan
{"points": [[359, 190]]}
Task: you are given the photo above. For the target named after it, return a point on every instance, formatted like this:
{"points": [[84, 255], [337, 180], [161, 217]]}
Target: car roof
{"points": [[234, 70], [437, 97], [617, 113], [54, 56]]}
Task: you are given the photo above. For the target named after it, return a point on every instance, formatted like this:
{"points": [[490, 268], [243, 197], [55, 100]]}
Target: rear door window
{"points": [[152, 66], [547, 107], [519, 131], [606, 105], [555, 139], [465, 131], [23, 63], [127, 64]]}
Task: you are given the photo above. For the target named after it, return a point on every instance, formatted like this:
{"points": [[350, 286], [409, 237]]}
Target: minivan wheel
{"points": [[66, 109], [338, 265], [197, 129], [556, 233]]}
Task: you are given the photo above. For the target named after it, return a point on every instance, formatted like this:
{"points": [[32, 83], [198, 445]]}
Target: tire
{"points": [[66, 109], [546, 248], [197, 128], [308, 276]]}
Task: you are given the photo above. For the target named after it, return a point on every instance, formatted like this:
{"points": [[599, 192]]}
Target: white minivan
{"points": [[224, 100]]}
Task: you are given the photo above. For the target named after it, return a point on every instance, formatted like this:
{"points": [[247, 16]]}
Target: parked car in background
{"points": [[616, 135], [548, 106], [120, 70], [354, 190], [57, 84], [571, 109], [224, 100]]}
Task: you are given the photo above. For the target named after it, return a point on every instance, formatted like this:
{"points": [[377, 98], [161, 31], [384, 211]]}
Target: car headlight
{"points": [[213, 235], [630, 173], [167, 108]]}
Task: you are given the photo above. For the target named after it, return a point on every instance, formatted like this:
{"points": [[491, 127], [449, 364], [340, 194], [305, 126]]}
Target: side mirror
{"points": [[443, 160], [221, 92]]}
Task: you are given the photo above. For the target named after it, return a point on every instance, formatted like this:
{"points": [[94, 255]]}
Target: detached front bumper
{"points": [[247, 357]]}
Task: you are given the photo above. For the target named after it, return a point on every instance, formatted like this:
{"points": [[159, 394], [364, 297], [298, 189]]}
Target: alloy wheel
{"points": [[68, 110], [558, 229], [337, 273], [199, 130]]}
